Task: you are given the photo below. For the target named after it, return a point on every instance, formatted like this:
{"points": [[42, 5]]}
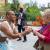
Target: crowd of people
{"points": [[10, 30]]}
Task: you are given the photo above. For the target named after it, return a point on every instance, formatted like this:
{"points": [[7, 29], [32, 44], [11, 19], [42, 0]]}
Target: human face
{"points": [[46, 18], [11, 15]]}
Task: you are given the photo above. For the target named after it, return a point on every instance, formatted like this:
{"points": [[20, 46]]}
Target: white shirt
{"points": [[19, 20]]}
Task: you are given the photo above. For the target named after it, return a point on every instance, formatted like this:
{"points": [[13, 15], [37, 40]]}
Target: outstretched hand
{"points": [[34, 32], [28, 29]]}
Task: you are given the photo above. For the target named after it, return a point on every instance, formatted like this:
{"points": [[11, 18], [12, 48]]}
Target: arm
{"points": [[39, 35], [0, 26], [10, 33], [46, 36], [26, 32]]}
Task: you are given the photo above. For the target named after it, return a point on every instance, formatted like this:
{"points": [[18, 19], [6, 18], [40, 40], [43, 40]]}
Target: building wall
{"points": [[3, 2]]}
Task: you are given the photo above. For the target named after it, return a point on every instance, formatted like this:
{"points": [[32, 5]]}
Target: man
{"points": [[21, 23], [9, 29]]}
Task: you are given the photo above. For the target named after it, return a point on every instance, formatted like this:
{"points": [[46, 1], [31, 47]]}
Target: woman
{"points": [[44, 33]]}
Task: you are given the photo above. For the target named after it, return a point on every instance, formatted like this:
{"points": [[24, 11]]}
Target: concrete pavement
{"points": [[19, 45]]}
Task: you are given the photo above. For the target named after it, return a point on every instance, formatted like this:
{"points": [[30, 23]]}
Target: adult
{"points": [[21, 23], [9, 29]]}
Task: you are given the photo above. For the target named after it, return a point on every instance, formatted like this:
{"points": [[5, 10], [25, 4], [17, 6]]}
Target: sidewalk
{"points": [[19, 45]]}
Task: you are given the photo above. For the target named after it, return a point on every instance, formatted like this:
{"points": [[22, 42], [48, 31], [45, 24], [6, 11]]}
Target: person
{"points": [[21, 23], [9, 29], [14, 20], [44, 33]]}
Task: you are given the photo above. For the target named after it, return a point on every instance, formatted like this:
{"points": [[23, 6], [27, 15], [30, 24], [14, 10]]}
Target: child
{"points": [[44, 33]]}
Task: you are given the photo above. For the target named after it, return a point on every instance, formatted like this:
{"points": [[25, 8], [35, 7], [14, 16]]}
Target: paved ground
{"points": [[13, 44], [19, 45]]}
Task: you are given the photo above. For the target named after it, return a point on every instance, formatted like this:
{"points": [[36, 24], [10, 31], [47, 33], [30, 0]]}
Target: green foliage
{"points": [[30, 17], [32, 12], [15, 6], [7, 7]]}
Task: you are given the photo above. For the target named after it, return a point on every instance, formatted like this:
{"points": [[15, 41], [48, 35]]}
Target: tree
{"points": [[15, 5], [33, 12]]}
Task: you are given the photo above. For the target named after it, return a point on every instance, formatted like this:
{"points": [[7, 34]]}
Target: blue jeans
{"points": [[3, 46]]}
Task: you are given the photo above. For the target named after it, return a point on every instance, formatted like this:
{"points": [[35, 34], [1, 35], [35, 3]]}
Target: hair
{"points": [[46, 13], [21, 10], [46, 16], [8, 12]]}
